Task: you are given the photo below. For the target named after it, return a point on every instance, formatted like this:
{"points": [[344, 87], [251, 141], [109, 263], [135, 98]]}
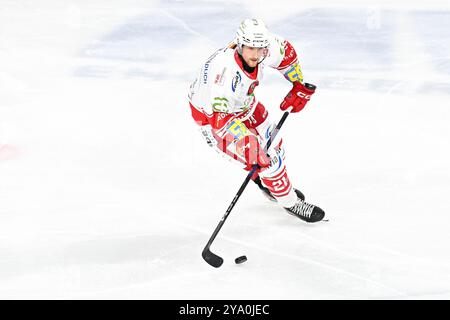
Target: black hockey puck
{"points": [[240, 259]]}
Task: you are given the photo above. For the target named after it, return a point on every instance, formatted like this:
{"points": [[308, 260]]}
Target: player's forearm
{"points": [[289, 66]]}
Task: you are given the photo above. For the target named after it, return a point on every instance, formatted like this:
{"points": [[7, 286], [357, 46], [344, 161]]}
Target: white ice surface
{"points": [[107, 190]]}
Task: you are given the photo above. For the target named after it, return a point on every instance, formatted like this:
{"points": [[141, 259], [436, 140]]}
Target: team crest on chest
{"points": [[252, 87]]}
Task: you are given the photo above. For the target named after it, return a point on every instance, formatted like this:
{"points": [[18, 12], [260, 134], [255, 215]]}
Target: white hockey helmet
{"points": [[252, 33]]}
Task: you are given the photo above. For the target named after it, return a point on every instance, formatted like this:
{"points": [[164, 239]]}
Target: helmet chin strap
{"points": [[262, 59]]}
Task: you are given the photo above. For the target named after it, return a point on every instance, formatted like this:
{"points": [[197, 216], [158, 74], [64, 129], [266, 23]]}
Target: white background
{"points": [[108, 191]]}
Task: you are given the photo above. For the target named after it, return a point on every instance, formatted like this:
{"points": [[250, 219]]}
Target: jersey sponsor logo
{"points": [[219, 80], [192, 89], [236, 80], [206, 67], [221, 116], [205, 72], [294, 73], [237, 129], [220, 104]]}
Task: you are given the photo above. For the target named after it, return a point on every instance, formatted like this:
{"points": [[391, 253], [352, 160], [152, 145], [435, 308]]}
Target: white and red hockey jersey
{"points": [[223, 90], [223, 104]]}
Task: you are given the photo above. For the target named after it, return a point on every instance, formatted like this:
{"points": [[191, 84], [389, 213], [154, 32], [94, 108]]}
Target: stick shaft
{"points": [[247, 180]]}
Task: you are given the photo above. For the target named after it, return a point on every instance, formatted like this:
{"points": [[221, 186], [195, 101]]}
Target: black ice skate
{"points": [[305, 211], [267, 193]]}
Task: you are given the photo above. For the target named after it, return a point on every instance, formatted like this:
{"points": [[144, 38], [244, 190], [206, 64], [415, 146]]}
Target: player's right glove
{"points": [[249, 148], [298, 97]]}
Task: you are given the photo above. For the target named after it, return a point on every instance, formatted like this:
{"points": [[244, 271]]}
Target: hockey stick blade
{"points": [[211, 258]]}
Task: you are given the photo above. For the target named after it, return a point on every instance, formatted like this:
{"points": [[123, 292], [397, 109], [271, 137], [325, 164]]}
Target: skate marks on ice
{"points": [[97, 265], [354, 264], [266, 258], [157, 44], [411, 276], [377, 53], [378, 50], [261, 236]]}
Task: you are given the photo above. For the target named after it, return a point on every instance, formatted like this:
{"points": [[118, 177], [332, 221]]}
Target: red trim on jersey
{"points": [[223, 143], [199, 117], [217, 120], [258, 116], [220, 119], [253, 75], [290, 56]]}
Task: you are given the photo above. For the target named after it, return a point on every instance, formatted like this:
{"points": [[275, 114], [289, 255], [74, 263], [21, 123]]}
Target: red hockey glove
{"points": [[298, 97], [252, 151]]}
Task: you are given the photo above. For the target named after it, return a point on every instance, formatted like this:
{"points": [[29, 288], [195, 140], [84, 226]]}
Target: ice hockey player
{"points": [[232, 120]]}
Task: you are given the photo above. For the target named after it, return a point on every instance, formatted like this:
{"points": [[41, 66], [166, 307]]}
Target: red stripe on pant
{"points": [[279, 185]]}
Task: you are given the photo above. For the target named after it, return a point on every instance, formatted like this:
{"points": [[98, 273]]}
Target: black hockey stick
{"points": [[211, 258]]}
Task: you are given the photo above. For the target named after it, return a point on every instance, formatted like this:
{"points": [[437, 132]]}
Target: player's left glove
{"points": [[298, 97], [252, 151]]}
